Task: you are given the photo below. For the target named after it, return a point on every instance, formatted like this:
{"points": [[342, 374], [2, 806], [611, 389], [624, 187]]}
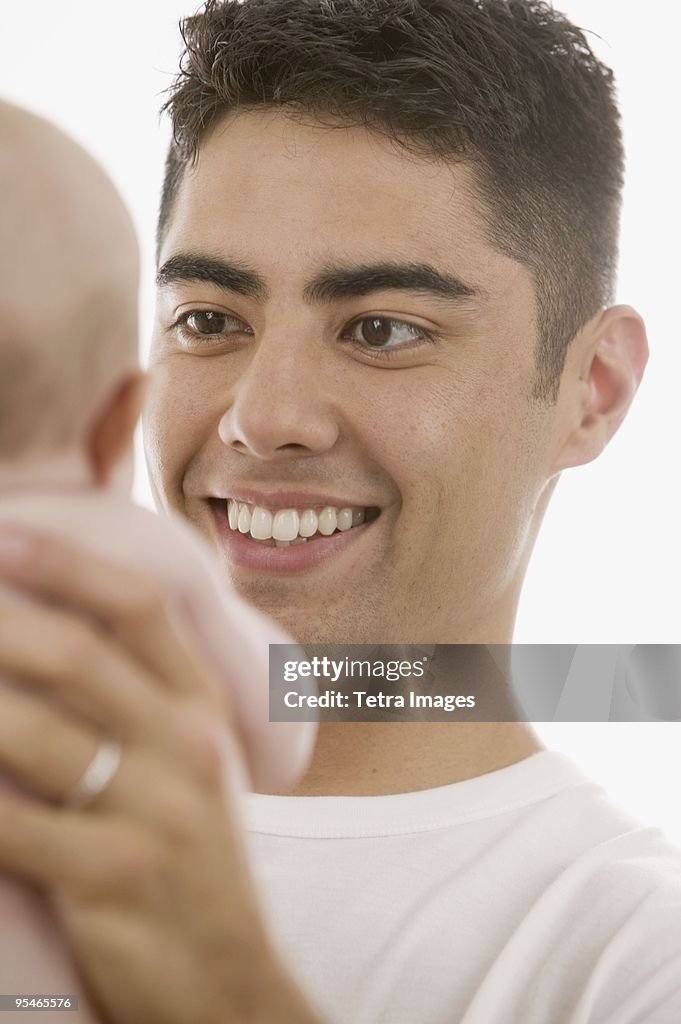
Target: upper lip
{"points": [[289, 499]]}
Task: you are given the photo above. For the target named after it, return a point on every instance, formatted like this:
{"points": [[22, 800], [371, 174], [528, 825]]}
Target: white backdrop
{"points": [[607, 567]]}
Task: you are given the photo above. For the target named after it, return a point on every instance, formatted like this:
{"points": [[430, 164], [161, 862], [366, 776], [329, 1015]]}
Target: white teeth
{"points": [[308, 523], [285, 525], [298, 540], [244, 522], [327, 521], [261, 524], [344, 519]]}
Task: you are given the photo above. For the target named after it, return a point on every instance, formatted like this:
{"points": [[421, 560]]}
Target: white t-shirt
{"points": [[522, 896]]}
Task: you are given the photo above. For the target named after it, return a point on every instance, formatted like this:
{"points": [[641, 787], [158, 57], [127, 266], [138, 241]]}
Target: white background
{"points": [[607, 568]]}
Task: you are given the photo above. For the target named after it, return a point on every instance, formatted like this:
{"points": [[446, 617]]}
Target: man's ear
{"points": [[602, 374], [111, 435]]}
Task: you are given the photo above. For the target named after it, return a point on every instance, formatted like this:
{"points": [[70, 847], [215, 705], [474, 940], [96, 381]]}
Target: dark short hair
{"points": [[509, 86]]}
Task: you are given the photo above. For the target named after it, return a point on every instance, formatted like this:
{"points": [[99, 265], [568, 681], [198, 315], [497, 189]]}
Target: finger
{"points": [[97, 847], [40, 748], [80, 666], [123, 599], [56, 847], [43, 750], [139, 790], [162, 769]]}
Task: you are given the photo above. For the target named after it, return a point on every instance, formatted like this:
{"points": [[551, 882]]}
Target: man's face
{"points": [[355, 341]]}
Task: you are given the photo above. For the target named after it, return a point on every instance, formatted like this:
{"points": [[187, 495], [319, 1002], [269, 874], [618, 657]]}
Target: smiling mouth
{"points": [[290, 527]]}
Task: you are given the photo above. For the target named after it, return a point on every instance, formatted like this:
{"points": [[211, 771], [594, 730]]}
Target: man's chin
{"points": [[305, 626]]}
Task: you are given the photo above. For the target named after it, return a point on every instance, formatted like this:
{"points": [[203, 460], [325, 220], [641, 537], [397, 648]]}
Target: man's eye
{"points": [[383, 333], [207, 330], [208, 322]]}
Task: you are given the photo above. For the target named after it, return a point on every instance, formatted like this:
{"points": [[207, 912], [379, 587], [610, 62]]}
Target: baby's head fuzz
{"points": [[68, 301]]}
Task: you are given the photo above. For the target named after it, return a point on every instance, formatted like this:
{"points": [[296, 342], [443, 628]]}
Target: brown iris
{"points": [[376, 332], [206, 321]]}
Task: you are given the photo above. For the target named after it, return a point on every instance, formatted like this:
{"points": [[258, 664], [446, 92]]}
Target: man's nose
{"points": [[279, 405]]}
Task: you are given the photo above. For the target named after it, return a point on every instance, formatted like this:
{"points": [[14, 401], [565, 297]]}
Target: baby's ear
{"points": [[110, 437]]}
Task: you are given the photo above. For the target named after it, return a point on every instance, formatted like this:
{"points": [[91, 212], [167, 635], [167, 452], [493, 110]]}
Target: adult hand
{"points": [[150, 880]]}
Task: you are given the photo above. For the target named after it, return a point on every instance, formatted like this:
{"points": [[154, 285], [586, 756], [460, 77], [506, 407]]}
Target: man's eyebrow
{"points": [[230, 276], [350, 282], [331, 284]]}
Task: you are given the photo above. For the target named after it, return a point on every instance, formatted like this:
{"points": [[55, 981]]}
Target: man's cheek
{"points": [[171, 427]]}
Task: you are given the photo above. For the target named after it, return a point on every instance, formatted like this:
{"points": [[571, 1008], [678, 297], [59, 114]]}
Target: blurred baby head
{"points": [[70, 386]]}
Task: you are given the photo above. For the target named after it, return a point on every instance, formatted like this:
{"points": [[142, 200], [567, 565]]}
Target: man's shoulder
{"points": [[627, 921], [638, 865], [600, 844]]}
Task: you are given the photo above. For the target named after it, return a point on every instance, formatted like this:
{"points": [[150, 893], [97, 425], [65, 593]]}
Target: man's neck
{"points": [[378, 758], [372, 758]]}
